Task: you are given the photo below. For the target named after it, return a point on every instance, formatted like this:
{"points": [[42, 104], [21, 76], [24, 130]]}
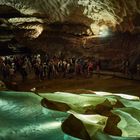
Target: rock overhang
{"points": [[91, 15]]}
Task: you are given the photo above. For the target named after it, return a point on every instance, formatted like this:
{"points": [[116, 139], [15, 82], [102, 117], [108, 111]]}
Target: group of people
{"points": [[46, 67], [130, 70]]}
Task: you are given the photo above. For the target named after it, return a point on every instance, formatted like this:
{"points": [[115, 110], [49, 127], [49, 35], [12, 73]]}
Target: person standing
{"points": [[98, 67]]}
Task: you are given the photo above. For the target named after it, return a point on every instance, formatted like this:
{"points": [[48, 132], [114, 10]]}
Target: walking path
{"points": [[119, 74]]}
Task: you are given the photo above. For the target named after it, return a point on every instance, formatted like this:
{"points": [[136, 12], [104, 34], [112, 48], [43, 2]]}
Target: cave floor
{"points": [[44, 123], [84, 85]]}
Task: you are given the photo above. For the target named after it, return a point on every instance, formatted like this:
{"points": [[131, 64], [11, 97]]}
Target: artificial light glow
{"points": [[103, 31], [50, 125], [129, 97], [33, 89], [37, 30], [99, 31], [101, 93]]}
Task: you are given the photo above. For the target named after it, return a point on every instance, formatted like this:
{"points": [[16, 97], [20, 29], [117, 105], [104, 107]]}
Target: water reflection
{"points": [[23, 118]]}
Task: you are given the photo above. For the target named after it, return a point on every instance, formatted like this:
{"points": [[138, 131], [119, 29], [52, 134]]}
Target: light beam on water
{"points": [[23, 118]]}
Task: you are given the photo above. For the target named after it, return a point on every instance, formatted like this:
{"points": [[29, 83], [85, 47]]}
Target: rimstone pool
{"points": [[23, 117]]}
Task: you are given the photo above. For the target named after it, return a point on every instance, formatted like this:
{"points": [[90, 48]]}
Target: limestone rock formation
{"points": [[74, 26], [118, 15]]}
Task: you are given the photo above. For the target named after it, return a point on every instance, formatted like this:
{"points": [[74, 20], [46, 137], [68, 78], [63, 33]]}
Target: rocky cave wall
{"points": [[113, 49], [72, 27], [113, 13]]}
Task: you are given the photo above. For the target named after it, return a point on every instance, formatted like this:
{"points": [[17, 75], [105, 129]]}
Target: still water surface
{"points": [[23, 118]]}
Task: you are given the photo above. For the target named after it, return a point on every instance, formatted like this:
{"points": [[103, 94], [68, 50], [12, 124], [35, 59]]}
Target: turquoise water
{"points": [[23, 118]]}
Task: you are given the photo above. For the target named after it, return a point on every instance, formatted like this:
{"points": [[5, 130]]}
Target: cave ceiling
{"points": [[70, 16]]}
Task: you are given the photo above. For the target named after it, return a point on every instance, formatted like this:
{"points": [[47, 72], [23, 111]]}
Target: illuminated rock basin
{"points": [[22, 116]]}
